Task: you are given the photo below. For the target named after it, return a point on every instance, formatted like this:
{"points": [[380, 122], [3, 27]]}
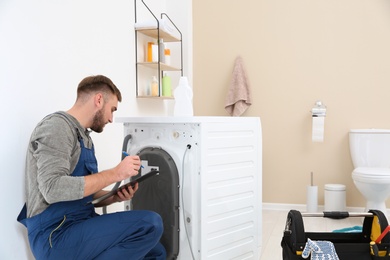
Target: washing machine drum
{"points": [[161, 194]]}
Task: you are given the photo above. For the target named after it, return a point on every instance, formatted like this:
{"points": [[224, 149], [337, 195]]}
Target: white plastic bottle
{"points": [[161, 51], [183, 99]]}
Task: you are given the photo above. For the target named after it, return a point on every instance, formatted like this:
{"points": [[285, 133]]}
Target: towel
{"points": [[354, 229], [319, 250], [238, 98]]}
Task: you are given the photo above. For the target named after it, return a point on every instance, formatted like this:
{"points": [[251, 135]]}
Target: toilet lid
{"points": [[372, 175]]}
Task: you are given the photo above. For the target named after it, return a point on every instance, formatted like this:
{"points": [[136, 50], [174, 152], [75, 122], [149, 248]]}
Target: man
{"points": [[62, 178]]}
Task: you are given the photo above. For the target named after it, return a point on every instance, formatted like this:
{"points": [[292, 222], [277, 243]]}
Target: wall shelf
{"points": [[163, 66], [152, 32], [159, 97], [145, 70]]}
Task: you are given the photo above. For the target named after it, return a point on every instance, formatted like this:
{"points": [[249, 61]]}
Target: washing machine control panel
{"points": [[172, 135], [175, 133], [182, 135]]}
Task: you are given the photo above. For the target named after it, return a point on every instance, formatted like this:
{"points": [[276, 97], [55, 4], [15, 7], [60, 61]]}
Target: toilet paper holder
{"points": [[319, 109]]}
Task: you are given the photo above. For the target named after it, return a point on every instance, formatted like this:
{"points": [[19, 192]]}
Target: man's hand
{"points": [[126, 193], [128, 167]]}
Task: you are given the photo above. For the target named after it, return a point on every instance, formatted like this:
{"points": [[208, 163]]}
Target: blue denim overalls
{"points": [[72, 229]]}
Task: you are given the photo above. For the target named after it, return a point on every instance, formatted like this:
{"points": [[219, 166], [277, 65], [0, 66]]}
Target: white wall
{"points": [[46, 48]]}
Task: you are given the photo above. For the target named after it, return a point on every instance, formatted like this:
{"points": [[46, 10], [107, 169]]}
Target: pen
{"points": [[126, 154]]}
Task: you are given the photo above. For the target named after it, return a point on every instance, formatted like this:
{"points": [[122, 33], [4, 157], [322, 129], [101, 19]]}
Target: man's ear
{"points": [[99, 100]]}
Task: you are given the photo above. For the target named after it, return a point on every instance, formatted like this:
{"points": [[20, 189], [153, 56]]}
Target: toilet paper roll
{"points": [[318, 128], [312, 199]]}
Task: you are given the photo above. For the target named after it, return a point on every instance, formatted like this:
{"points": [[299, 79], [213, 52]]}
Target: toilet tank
{"points": [[370, 147]]}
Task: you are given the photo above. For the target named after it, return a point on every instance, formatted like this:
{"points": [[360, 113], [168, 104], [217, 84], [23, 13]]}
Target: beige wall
{"points": [[297, 52]]}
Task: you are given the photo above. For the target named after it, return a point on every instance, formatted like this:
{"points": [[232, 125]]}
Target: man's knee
{"points": [[155, 221]]}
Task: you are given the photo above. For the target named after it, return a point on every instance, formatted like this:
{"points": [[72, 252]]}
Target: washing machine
{"points": [[208, 190]]}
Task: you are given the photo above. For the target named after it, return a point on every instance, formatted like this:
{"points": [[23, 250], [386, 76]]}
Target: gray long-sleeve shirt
{"points": [[53, 153]]}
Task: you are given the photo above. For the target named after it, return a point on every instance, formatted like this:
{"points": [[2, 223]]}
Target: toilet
{"points": [[370, 153]]}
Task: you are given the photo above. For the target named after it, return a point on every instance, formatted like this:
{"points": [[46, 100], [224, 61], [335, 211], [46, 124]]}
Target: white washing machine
{"points": [[208, 190]]}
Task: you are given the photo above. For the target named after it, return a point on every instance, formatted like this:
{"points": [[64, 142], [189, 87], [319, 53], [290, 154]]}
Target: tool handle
{"points": [[379, 239], [337, 214]]}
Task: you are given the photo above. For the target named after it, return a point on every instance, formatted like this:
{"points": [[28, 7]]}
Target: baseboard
{"points": [[302, 207]]}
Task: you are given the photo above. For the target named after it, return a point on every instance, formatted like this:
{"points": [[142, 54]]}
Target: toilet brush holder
{"points": [[312, 199]]}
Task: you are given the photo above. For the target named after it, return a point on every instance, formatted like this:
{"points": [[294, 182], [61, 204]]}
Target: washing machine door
{"points": [[161, 194]]}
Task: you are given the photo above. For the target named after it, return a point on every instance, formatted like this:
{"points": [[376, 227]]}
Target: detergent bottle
{"points": [[183, 99], [166, 86]]}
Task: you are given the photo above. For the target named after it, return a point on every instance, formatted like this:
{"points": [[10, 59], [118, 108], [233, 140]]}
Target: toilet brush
{"points": [[312, 196]]}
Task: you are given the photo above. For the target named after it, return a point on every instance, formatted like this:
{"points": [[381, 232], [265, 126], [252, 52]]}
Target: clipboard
{"points": [[131, 183]]}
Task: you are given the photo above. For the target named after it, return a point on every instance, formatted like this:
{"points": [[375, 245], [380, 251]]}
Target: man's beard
{"points": [[98, 122]]}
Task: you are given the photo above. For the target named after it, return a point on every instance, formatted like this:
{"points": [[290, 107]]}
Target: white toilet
{"points": [[370, 152]]}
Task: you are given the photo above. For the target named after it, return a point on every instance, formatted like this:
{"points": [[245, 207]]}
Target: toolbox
{"points": [[371, 243]]}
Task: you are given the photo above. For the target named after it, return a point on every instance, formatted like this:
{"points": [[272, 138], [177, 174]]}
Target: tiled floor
{"points": [[273, 226]]}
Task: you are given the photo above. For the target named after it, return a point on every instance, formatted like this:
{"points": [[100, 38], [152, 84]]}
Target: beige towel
{"points": [[238, 98]]}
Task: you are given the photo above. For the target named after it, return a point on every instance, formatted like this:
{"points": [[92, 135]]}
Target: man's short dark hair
{"points": [[98, 83]]}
